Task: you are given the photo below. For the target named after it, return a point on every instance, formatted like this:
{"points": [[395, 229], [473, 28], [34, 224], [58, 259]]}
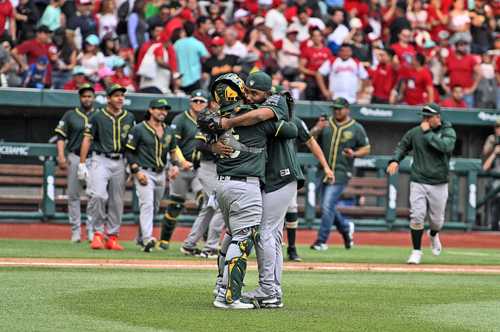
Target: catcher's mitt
{"points": [[209, 122]]}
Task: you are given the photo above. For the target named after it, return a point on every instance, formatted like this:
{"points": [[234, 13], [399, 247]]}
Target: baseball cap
{"points": [[258, 21], [118, 63], [43, 28], [430, 110], [92, 40], [199, 95], [160, 103], [115, 87], [85, 87], [240, 13], [43, 60], [78, 70], [259, 80], [340, 102], [217, 41], [291, 29]]}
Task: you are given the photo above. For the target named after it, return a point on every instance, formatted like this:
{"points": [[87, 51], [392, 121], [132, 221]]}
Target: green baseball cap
{"points": [[160, 103], [199, 94], [115, 87], [85, 87], [431, 109], [340, 103], [260, 81]]}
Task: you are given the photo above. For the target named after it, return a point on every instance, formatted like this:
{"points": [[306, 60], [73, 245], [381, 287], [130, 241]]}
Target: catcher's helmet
{"points": [[228, 91]]}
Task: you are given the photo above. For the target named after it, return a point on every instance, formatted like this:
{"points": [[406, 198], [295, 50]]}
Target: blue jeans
{"points": [[469, 100], [329, 215]]}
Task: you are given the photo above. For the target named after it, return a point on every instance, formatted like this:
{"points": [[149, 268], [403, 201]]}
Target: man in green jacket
{"points": [[432, 143]]}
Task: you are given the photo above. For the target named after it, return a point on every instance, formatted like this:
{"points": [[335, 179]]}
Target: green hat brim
{"points": [[110, 92]]}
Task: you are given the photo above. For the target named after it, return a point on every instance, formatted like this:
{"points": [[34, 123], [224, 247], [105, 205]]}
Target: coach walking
{"points": [[432, 143]]}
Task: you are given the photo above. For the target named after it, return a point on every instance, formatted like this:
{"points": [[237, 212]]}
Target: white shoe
{"points": [[75, 237], [235, 305], [435, 244], [415, 257], [319, 247]]}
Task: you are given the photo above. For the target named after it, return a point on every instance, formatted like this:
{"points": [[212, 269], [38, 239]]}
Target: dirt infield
{"points": [[211, 265], [128, 232]]}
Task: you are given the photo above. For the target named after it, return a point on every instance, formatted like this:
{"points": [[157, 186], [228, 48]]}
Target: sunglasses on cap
{"points": [[199, 101]]}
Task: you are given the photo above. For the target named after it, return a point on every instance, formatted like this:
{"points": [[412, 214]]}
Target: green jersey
{"points": [[431, 153], [71, 128], [334, 139], [186, 131], [303, 134], [277, 103], [147, 149], [109, 133], [253, 163]]}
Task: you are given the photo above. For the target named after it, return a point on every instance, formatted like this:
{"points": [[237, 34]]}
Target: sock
{"points": [[416, 238], [291, 235], [433, 233]]}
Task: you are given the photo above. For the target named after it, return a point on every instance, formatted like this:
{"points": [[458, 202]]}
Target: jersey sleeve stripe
{"points": [[60, 131], [279, 127]]}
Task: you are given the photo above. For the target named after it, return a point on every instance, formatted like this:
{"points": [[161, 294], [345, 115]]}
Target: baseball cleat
{"points": [[75, 237], [319, 246], [112, 244], [162, 245], [435, 244], [235, 305], [415, 257], [190, 251], [97, 241], [149, 246], [292, 254], [269, 303], [209, 254]]}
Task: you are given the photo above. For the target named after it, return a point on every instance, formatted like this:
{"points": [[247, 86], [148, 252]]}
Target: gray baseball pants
{"points": [[106, 187], [269, 248], [210, 216], [149, 196], [74, 190], [427, 200], [180, 185]]}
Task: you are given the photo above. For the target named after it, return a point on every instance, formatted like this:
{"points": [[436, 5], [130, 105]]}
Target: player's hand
{"points": [[173, 172], [349, 153], [62, 162], [322, 123], [224, 123], [83, 172], [186, 165], [392, 168], [329, 176], [142, 178], [328, 95], [425, 126], [222, 149]]}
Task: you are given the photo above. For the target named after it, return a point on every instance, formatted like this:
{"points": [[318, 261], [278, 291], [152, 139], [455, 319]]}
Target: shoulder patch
{"points": [[272, 100]]}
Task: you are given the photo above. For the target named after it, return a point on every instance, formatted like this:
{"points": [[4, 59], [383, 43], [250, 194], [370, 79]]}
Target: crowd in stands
{"points": [[367, 51]]}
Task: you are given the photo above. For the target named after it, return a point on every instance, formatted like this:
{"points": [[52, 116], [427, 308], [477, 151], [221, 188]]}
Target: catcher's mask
{"points": [[228, 91]]}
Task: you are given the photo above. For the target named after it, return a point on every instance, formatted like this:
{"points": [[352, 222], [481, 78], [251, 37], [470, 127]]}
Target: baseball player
{"points": [[342, 139], [107, 131], [291, 217], [432, 143], [209, 219], [146, 150], [69, 133], [238, 191], [282, 178], [186, 132]]}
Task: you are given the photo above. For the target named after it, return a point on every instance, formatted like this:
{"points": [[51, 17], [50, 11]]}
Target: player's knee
{"points": [[174, 207], [436, 225], [416, 225]]}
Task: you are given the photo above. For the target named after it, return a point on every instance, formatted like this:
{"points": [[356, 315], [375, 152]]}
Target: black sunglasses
{"points": [[199, 101]]}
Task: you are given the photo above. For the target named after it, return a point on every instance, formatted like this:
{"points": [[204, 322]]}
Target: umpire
{"points": [[432, 143], [107, 131], [146, 150], [69, 133]]}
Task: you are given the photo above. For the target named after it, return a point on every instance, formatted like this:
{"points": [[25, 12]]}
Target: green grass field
{"points": [[83, 299]]}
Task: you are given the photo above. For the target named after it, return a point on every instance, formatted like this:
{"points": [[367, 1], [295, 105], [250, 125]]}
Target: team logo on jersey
{"points": [[125, 130], [168, 139], [346, 136]]}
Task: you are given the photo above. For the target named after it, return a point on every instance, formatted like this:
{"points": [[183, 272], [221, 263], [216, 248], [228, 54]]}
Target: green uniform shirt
{"points": [[277, 103], [303, 134], [71, 128], [145, 148], [109, 134], [186, 131], [431, 153], [334, 139], [245, 164]]}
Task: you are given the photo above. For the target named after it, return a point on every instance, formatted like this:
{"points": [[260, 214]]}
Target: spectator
{"points": [[417, 15], [463, 69], [91, 59], [161, 18], [34, 48], [456, 99], [459, 22], [190, 51], [7, 18], [233, 46], [242, 22], [37, 74], [137, 27], [259, 34], [120, 77], [53, 17], [345, 76], [360, 49], [65, 59], [105, 75], [276, 21], [83, 23], [405, 52], [398, 23], [289, 54], [204, 25], [8, 67], [417, 87], [77, 80], [107, 20], [311, 60], [491, 157], [110, 48], [219, 63], [339, 30], [175, 21], [482, 24], [485, 94], [154, 34], [304, 22], [383, 77], [26, 19]]}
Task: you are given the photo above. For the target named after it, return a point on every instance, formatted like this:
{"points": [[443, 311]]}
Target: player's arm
{"points": [[251, 118], [402, 149], [286, 130], [62, 134], [131, 149], [315, 149], [88, 135]]}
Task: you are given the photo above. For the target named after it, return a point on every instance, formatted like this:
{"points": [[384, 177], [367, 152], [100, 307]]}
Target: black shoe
{"points": [[150, 245], [292, 254], [347, 241], [190, 251]]}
